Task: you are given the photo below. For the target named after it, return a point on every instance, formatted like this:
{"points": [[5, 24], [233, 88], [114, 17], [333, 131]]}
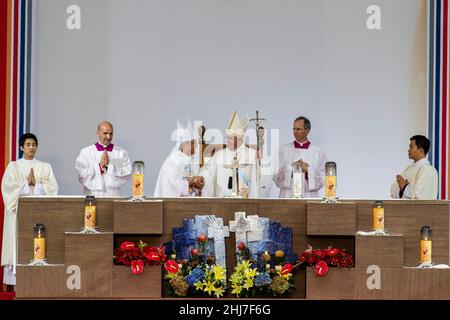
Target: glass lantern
{"points": [[297, 174], [138, 179], [330, 181], [378, 216], [39, 242], [90, 212], [425, 245]]}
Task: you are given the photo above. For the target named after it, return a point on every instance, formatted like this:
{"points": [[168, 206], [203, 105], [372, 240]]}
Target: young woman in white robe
{"points": [[26, 176]]}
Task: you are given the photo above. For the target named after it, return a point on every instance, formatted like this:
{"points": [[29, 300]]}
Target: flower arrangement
{"points": [[269, 274], [321, 259], [198, 275], [137, 255]]}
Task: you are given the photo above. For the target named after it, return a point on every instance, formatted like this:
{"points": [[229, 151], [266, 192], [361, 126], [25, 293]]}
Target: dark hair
{"points": [[421, 142], [26, 136], [306, 122]]}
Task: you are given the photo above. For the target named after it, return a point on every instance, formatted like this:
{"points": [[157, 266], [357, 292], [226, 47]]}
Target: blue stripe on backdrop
{"points": [[28, 73], [437, 97], [21, 109], [431, 80]]}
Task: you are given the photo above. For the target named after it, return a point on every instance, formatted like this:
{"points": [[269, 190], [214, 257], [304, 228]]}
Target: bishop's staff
{"points": [[259, 147]]}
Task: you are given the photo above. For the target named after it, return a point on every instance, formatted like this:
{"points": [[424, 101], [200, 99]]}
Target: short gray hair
{"points": [[306, 122]]}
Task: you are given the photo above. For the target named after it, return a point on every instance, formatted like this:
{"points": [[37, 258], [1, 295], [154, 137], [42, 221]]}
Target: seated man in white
{"points": [[26, 176], [103, 168], [178, 176], [420, 179], [217, 172]]}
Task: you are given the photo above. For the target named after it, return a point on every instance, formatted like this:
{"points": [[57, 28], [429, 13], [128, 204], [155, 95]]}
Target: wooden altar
{"points": [[312, 223]]}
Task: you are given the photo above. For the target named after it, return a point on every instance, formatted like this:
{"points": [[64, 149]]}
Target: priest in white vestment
{"points": [[310, 157], [103, 168], [179, 174], [218, 178], [26, 176], [420, 179]]}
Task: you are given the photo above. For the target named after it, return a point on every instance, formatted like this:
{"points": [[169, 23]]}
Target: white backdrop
{"points": [[143, 63]]}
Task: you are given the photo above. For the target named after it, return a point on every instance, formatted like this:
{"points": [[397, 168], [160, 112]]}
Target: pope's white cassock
{"points": [[292, 152], [217, 177], [109, 182], [267, 172], [15, 184], [173, 176], [423, 182]]}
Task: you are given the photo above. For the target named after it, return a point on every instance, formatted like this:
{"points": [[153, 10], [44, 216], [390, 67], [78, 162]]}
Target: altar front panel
{"points": [[63, 215]]}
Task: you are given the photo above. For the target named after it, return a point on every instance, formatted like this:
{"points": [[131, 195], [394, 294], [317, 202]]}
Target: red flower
{"points": [[137, 266], [319, 254], [287, 268], [311, 259], [127, 245], [150, 254], [241, 246], [171, 266], [162, 254], [321, 269], [194, 252], [202, 238], [332, 252]]}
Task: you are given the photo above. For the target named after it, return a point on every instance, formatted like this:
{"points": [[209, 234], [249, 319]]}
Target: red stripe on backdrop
{"points": [[444, 99], [14, 80], [3, 54]]}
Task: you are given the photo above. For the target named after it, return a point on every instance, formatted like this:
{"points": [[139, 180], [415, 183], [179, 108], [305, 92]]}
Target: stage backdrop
{"points": [[15, 90], [143, 63]]}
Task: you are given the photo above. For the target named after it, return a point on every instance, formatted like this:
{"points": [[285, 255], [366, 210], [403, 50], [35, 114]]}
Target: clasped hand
{"points": [[303, 165], [31, 179], [402, 182], [196, 182], [104, 162]]}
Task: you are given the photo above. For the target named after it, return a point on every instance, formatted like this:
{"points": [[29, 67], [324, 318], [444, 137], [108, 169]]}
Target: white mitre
{"points": [[183, 133], [237, 126]]}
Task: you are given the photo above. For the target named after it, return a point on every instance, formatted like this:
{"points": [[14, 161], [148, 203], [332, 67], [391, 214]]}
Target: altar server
{"points": [[179, 174], [310, 157], [420, 179], [26, 176], [103, 168], [219, 177]]}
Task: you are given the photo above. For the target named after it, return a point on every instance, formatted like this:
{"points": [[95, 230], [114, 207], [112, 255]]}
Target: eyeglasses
{"points": [[298, 129]]}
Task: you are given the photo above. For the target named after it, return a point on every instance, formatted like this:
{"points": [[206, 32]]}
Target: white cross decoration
{"points": [[240, 226], [255, 232], [218, 232]]}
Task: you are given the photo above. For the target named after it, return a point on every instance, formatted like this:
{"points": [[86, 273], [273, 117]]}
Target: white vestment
{"points": [[423, 182], [173, 176], [15, 184], [266, 175], [313, 156], [109, 182], [217, 177]]}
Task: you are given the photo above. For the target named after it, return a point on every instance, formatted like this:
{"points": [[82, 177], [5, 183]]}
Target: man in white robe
{"points": [[218, 178], [103, 168], [179, 174], [26, 176], [420, 179], [311, 158]]}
